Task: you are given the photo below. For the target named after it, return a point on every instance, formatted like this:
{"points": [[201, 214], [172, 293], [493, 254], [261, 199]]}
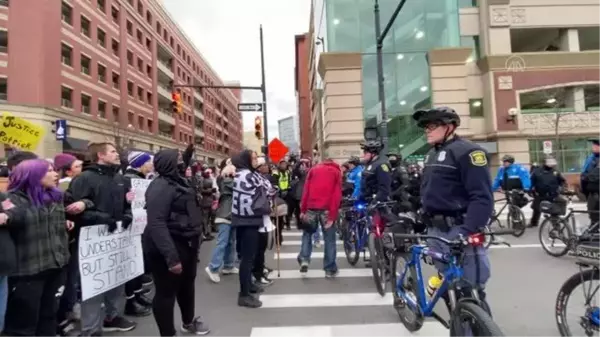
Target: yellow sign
{"points": [[478, 158], [17, 132]]}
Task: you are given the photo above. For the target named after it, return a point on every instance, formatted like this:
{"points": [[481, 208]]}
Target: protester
{"points": [[209, 197], [101, 184], [171, 242], [17, 157], [223, 254], [283, 178], [250, 204], [35, 215], [258, 271], [67, 166], [137, 304]]}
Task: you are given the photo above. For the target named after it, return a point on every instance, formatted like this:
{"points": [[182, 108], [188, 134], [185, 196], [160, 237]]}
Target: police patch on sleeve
{"points": [[478, 158], [385, 168]]}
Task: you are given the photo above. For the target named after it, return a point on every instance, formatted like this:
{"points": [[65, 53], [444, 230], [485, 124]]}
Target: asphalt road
{"points": [[522, 291]]}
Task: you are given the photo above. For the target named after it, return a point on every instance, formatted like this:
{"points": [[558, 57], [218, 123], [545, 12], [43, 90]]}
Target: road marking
{"points": [[316, 273], [430, 328], [299, 242], [288, 233], [325, 300]]}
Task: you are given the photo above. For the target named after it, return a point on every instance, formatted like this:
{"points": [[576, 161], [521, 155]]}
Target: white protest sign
{"points": [[108, 260], [139, 187]]}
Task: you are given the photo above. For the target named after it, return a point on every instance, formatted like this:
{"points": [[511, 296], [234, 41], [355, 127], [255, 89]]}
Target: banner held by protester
{"points": [[107, 260], [20, 133], [138, 204]]}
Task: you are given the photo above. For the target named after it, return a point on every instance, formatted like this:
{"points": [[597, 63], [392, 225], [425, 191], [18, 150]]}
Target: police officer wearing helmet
{"points": [[400, 182], [512, 176], [354, 175], [546, 182], [590, 180], [456, 191], [376, 177]]}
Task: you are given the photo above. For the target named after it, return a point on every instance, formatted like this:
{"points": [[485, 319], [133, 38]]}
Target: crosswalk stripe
{"points": [[324, 300], [288, 233], [430, 328], [313, 273], [299, 242]]}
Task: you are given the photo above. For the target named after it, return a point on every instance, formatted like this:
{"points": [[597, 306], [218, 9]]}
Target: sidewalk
{"points": [[527, 211]]}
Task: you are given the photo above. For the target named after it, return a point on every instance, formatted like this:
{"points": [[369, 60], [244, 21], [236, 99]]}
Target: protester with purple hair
{"points": [[34, 213]]}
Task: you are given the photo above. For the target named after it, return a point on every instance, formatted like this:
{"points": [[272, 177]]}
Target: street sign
{"points": [[547, 146], [277, 150], [250, 107]]}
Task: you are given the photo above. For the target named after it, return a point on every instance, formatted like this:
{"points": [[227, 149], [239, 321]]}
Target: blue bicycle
{"points": [[410, 297], [354, 231]]}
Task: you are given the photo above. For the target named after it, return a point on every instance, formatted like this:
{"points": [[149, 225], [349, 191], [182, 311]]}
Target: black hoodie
{"points": [[172, 209], [250, 200]]}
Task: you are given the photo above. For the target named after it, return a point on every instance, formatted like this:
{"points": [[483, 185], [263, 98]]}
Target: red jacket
{"points": [[323, 189]]}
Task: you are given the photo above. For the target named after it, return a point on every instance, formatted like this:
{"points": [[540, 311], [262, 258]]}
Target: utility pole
{"points": [[379, 37], [262, 88]]}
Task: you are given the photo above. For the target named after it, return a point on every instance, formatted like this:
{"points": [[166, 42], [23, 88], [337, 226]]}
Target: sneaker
{"points": [[249, 302], [118, 324], [136, 309], [267, 271], [331, 274], [146, 280], [264, 281], [317, 244], [197, 327], [214, 277], [143, 300], [66, 327], [256, 289], [304, 267], [229, 271]]}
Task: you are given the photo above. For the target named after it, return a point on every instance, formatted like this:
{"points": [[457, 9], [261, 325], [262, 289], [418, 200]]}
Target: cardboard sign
{"points": [[19, 133], [139, 187]]}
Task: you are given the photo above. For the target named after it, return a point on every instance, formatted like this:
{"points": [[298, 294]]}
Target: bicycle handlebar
{"points": [[461, 241], [378, 204]]}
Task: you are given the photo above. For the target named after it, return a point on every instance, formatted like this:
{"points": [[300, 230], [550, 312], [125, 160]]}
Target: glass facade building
{"points": [[421, 26]]}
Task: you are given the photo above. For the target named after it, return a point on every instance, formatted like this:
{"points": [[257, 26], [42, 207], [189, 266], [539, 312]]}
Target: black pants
{"points": [[535, 206], [247, 236], [259, 259], [170, 287], [32, 304], [70, 296], [293, 209], [593, 204], [280, 223]]}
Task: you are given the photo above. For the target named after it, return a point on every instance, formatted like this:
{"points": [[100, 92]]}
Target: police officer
{"points": [[400, 182], [590, 180], [414, 187], [354, 175], [546, 183], [512, 176], [376, 177], [456, 191]]}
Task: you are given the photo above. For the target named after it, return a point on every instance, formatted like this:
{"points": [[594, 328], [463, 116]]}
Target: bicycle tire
{"points": [[564, 293], [377, 265], [519, 230], [548, 222], [489, 238], [349, 245], [485, 324], [417, 324]]}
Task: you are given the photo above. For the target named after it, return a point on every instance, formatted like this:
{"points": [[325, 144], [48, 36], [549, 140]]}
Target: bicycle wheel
{"points": [[557, 229], [479, 321], [516, 220], [589, 320], [377, 264], [411, 319], [351, 246]]}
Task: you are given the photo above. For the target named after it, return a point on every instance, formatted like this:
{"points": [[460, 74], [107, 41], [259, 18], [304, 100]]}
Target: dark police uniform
{"points": [[545, 182], [376, 180], [457, 199]]}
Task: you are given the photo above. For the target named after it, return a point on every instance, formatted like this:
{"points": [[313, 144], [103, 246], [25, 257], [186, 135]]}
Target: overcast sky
{"points": [[227, 34]]}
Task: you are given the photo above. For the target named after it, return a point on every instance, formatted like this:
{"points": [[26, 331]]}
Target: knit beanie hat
{"points": [[137, 159], [63, 161]]}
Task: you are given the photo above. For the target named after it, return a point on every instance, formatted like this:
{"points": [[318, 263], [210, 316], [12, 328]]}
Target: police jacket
{"points": [[508, 176], [546, 182], [590, 176], [376, 179], [172, 209], [353, 178], [456, 182], [400, 183]]}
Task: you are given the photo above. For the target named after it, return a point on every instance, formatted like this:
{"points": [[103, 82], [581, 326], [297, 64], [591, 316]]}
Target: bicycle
{"points": [[588, 258], [377, 253], [410, 296], [515, 217], [563, 227], [355, 234]]}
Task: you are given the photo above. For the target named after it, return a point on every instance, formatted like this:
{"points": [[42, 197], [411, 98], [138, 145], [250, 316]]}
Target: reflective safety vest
{"points": [[284, 181]]}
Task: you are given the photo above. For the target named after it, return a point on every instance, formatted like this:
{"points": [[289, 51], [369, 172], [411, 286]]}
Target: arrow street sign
{"points": [[250, 107]]}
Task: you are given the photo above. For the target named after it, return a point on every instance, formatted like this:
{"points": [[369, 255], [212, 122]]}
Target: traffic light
{"points": [[176, 102], [258, 129]]}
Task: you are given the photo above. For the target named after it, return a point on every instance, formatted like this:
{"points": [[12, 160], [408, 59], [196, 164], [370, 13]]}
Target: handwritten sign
{"points": [[17, 132], [107, 260], [139, 187]]}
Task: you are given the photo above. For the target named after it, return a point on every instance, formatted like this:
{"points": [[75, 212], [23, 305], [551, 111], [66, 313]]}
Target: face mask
{"points": [[181, 168], [394, 162]]}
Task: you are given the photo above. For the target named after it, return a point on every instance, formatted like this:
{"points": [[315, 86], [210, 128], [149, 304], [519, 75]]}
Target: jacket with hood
{"points": [[323, 189], [172, 209], [105, 189], [132, 173], [225, 199], [298, 180], [250, 193]]}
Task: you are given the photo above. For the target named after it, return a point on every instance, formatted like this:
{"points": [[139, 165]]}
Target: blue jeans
{"points": [[93, 313], [317, 235], [329, 238], [3, 299], [224, 252]]}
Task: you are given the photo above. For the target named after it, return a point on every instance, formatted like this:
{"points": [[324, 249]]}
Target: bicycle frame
{"points": [[454, 272], [361, 234]]}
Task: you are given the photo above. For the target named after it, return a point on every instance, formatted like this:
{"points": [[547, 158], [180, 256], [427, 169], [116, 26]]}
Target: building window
{"points": [[570, 153], [101, 5], [150, 124], [140, 65], [148, 44], [116, 114], [476, 107], [141, 123], [140, 8], [3, 88], [85, 26], [172, 42], [115, 14], [85, 64], [140, 93], [66, 55], [148, 17], [471, 42], [67, 14], [130, 88], [4, 3], [130, 117], [116, 80], [130, 58], [129, 28], [101, 109], [149, 97], [467, 3], [101, 73], [158, 27], [149, 70], [140, 37], [115, 47], [101, 38], [66, 97], [86, 102]]}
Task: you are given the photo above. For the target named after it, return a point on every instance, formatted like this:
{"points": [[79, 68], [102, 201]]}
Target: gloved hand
{"points": [[127, 220], [112, 226]]}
